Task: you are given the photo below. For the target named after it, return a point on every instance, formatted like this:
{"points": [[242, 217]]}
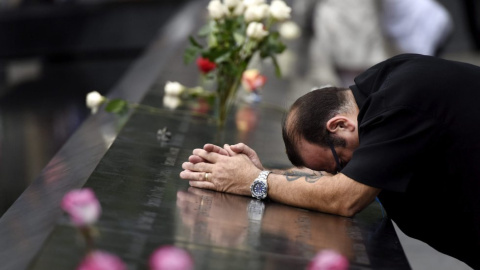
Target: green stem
{"points": [[228, 83], [269, 23], [87, 232]]}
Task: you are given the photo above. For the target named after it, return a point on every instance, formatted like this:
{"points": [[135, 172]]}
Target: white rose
{"points": [[171, 102], [255, 30], [174, 89], [256, 12], [279, 10], [253, 2], [94, 100], [231, 4], [289, 30], [238, 10], [216, 9]]}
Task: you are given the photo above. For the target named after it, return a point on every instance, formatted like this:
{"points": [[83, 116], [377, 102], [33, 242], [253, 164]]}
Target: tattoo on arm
{"points": [[294, 175]]}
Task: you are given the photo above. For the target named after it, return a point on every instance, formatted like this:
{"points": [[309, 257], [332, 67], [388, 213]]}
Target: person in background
{"points": [[347, 39], [417, 26]]}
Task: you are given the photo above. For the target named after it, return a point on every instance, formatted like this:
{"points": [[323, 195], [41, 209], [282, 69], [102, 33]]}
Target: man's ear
{"points": [[340, 123]]}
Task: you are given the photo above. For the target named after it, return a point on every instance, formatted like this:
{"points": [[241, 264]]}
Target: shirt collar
{"points": [[359, 96]]}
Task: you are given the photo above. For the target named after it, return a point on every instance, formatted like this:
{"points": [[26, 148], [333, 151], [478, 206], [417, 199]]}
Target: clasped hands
{"points": [[230, 169]]}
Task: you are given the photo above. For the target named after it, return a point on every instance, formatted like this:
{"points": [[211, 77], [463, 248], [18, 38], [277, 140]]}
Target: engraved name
{"points": [[172, 156]]}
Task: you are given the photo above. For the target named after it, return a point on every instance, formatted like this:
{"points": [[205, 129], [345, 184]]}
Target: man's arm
{"points": [[298, 172], [336, 194]]}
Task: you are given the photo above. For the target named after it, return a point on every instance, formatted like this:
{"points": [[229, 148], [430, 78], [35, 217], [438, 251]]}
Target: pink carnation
{"points": [[101, 260], [328, 260], [170, 258], [82, 206]]}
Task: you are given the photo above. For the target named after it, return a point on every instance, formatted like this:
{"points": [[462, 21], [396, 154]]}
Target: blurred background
{"points": [[53, 52]]}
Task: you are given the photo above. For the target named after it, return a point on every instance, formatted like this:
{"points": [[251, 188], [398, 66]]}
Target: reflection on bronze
{"points": [[213, 217], [230, 221], [246, 118]]}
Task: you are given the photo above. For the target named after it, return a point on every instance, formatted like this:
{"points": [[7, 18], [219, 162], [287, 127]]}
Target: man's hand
{"points": [[230, 150], [232, 174], [241, 148], [209, 148]]}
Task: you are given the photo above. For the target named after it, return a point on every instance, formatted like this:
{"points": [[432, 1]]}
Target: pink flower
{"points": [[253, 80], [328, 260], [205, 65], [170, 258], [82, 206], [101, 260]]}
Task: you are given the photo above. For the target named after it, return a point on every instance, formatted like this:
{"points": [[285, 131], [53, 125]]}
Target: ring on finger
{"points": [[206, 176]]}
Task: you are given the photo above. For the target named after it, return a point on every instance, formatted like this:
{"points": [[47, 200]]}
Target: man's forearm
{"points": [[302, 171], [331, 194]]}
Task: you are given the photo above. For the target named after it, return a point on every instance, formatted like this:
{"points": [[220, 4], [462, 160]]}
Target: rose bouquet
{"points": [[235, 32]]}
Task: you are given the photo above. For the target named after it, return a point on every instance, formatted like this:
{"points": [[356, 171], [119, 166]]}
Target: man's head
{"points": [[318, 123]]}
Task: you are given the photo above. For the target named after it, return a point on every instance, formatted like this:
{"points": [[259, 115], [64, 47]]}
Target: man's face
{"points": [[321, 158]]}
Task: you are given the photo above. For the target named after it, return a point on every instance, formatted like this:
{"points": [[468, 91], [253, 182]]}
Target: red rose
{"points": [[205, 65]]}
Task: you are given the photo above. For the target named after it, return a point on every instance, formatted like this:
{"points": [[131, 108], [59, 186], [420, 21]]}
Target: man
{"points": [[406, 131]]}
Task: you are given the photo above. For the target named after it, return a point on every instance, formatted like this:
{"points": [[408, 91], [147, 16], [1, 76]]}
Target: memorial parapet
{"points": [[146, 205]]}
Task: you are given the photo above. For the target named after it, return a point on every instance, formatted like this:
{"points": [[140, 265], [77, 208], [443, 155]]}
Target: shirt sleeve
{"points": [[392, 145]]}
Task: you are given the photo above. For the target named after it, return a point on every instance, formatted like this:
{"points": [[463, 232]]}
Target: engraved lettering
{"points": [[205, 205], [172, 156], [162, 176], [146, 219], [136, 246], [361, 253], [177, 140], [303, 223], [185, 124], [155, 197]]}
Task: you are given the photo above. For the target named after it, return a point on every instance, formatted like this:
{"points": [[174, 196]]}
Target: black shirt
{"points": [[419, 134]]}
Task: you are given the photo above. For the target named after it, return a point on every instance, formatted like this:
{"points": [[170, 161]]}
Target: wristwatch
{"points": [[259, 186]]}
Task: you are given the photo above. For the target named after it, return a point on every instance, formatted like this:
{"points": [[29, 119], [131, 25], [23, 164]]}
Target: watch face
{"points": [[259, 189]]}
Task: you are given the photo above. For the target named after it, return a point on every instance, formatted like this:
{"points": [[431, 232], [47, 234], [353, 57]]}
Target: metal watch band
{"points": [[263, 175], [260, 180]]}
